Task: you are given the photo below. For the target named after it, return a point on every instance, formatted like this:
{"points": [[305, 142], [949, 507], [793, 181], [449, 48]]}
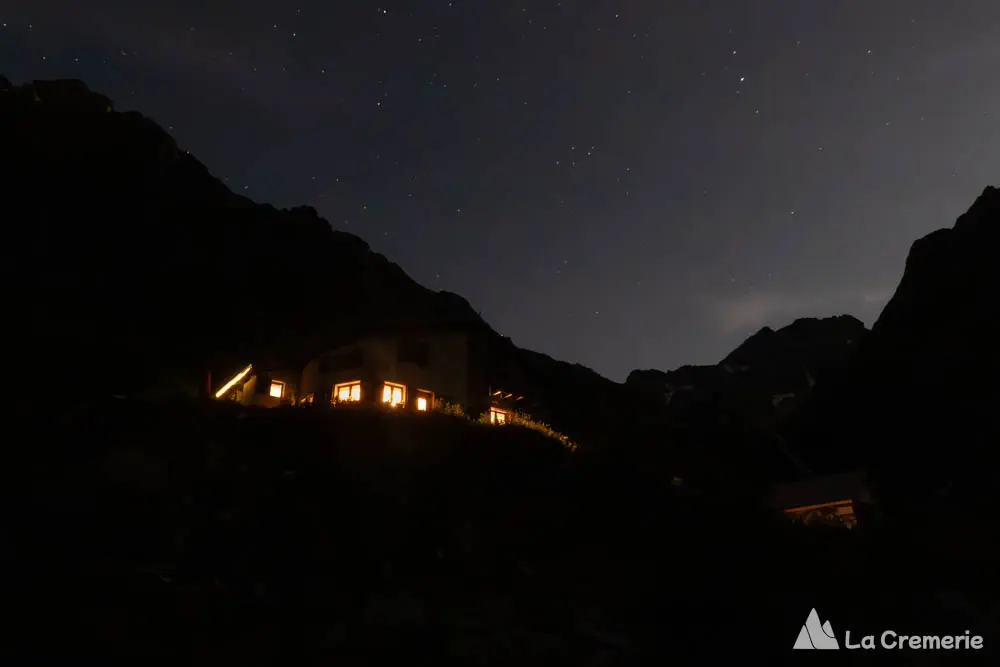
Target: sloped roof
{"points": [[824, 489]]}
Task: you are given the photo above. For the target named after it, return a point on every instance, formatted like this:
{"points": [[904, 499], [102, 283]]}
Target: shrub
{"points": [[525, 421], [453, 409]]}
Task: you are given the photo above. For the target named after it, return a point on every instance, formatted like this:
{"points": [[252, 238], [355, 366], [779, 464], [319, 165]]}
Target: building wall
{"points": [[255, 390], [456, 367], [245, 390], [377, 359]]}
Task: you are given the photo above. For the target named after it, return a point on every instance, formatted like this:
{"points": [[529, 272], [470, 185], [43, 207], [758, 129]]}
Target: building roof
{"points": [[824, 489]]}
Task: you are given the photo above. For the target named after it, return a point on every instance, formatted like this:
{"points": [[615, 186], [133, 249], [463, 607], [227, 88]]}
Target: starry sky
{"points": [[626, 185]]}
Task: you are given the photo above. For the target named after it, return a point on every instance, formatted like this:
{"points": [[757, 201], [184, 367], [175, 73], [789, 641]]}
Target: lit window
{"points": [[498, 416], [393, 394], [425, 400], [348, 391], [277, 389]]}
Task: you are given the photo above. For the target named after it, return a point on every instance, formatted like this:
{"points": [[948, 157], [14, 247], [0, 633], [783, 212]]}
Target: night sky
{"points": [[633, 184]]}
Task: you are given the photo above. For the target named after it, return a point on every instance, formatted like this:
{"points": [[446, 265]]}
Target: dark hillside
{"points": [[135, 258], [150, 526], [199, 532], [917, 403], [138, 270]]}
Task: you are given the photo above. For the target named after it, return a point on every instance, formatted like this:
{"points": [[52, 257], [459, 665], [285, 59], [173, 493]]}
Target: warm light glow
{"points": [[277, 389], [498, 416], [229, 385], [393, 394], [840, 510], [422, 404], [348, 391]]}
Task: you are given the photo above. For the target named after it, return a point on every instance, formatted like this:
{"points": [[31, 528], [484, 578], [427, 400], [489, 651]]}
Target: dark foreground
{"points": [[207, 534]]}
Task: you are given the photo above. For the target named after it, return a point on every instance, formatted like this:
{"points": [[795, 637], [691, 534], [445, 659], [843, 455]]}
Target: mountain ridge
{"points": [[160, 272], [138, 267], [916, 402], [156, 265]]}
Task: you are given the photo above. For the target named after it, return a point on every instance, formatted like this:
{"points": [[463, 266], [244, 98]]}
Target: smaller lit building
{"points": [[503, 405], [263, 386], [831, 498]]}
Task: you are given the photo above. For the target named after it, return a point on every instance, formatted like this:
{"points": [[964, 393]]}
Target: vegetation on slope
{"points": [[198, 532]]}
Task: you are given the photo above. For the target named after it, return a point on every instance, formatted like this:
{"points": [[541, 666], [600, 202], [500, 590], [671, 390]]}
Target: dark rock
{"points": [[70, 95], [144, 269], [760, 381], [170, 527], [917, 403], [567, 562]]}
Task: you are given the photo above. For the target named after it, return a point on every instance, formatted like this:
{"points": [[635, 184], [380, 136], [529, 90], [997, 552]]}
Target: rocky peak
{"points": [[811, 340], [759, 384], [243, 270], [951, 276], [61, 95], [172, 272], [984, 211], [918, 400], [807, 344]]}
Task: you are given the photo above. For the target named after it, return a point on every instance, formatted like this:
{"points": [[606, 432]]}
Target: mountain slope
{"points": [[917, 403], [761, 381], [115, 222], [176, 532], [137, 268]]}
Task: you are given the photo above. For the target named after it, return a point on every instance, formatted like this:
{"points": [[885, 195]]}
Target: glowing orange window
{"points": [[393, 394], [348, 391], [498, 416]]}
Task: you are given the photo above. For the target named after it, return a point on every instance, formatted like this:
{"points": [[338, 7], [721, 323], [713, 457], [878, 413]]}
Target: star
{"points": [[448, 103]]}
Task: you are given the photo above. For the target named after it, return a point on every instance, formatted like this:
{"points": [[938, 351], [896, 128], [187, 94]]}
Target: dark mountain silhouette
{"points": [[179, 529], [917, 402], [136, 269], [763, 377], [139, 270], [130, 244], [173, 531], [735, 410]]}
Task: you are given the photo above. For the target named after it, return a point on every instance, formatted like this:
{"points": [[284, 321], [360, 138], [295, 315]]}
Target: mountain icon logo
{"points": [[816, 635]]}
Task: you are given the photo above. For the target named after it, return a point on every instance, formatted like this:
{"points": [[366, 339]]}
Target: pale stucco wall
{"points": [[446, 372]]}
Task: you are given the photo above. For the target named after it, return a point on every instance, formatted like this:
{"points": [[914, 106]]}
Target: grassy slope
{"points": [[202, 532]]}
